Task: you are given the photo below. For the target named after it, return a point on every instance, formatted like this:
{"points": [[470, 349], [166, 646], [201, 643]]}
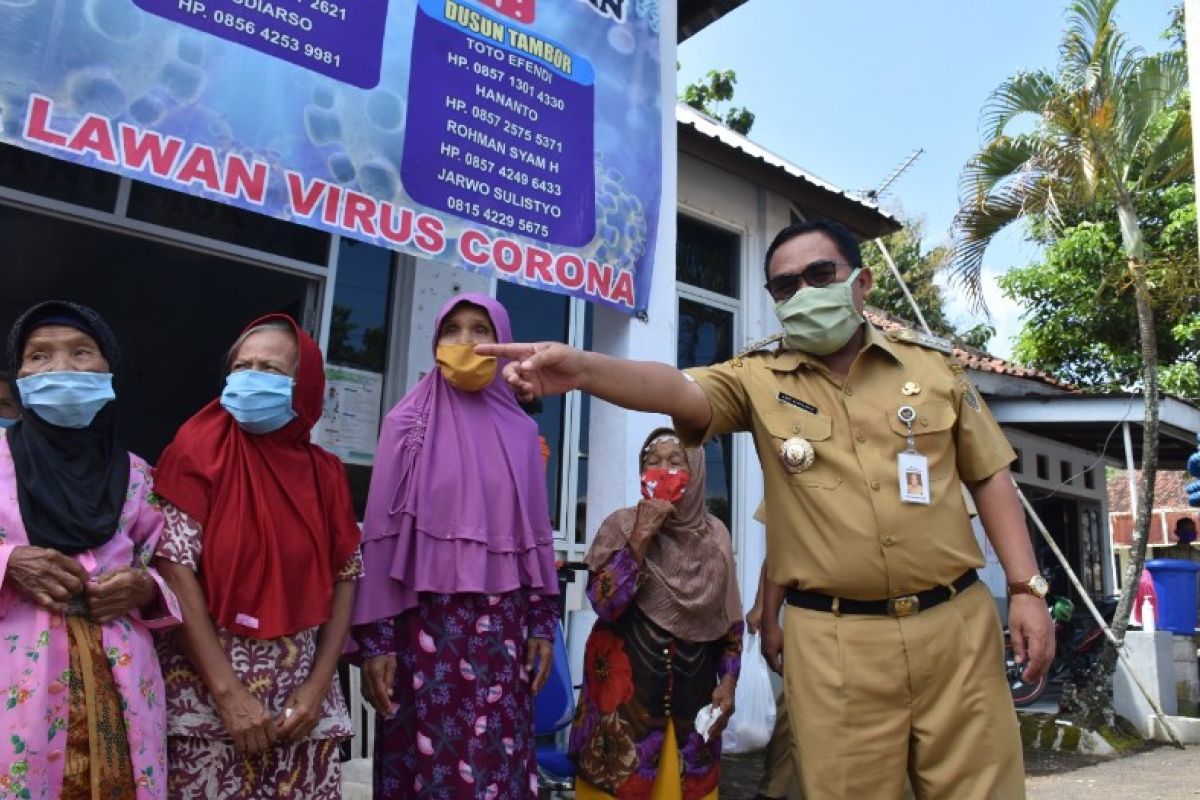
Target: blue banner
{"points": [[515, 138]]}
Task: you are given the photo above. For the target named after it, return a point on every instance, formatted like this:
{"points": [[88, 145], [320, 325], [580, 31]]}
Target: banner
{"points": [[515, 138]]}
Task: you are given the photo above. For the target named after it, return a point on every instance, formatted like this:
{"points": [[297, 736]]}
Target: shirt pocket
{"points": [[933, 433], [818, 430]]}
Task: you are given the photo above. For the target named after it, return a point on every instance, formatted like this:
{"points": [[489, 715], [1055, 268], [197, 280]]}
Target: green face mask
{"points": [[820, 320]]}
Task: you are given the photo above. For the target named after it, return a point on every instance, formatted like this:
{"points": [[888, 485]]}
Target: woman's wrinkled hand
{"points": [[247, 721], [301, 713], [379, 677], [540, 651], [651, 514], [47, 577], [114, 594], [722, 700]]}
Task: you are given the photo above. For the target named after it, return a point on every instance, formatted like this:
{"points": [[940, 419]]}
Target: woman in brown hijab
{"points": [[667, 641]]}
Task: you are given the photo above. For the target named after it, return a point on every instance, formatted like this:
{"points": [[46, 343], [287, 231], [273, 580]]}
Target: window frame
{"points": [[741, 457]]}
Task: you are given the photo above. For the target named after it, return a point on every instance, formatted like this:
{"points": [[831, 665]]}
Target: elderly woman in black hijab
{"points": [[83, 716]]}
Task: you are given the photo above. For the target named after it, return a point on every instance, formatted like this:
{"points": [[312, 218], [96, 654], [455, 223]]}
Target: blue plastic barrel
{"points": [[1175, 582]]}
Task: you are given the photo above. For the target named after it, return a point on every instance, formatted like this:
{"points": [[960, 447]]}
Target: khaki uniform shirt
{"points": [[839, 527]]}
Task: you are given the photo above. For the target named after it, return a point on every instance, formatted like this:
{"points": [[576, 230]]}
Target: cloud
{"points": [[1009, 249]]}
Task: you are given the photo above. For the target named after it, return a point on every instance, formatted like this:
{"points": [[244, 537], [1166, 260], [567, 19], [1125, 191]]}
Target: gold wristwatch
{"points": [[1036, 586]]}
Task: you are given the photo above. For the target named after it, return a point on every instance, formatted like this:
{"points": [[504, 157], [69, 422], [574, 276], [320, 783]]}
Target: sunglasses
{"points": [[817, 274]]}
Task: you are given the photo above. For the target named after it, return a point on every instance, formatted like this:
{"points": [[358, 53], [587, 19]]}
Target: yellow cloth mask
{"points": [[464, 369]]}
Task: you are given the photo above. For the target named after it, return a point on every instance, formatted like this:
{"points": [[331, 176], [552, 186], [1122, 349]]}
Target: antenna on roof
{"points": [[874, 194]]}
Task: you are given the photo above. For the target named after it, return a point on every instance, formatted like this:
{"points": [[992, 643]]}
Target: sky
{"points": [[848, 89]]}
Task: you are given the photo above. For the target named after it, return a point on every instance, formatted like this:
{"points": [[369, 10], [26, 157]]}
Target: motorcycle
{"points": [[1079, 641]]}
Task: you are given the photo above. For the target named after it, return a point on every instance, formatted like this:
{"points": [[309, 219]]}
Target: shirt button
{"points": [[925, 421], [795, 429], [666, 651], [848, 390], [875, 485], [888, 541], [859, 437]]}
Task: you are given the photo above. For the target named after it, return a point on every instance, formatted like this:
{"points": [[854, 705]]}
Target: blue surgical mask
{"points": [[67, 399], [261, 402], [7, 422]]}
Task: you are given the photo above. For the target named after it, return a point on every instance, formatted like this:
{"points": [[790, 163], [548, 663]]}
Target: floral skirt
{"points": [[212, 769], [464, 727]]}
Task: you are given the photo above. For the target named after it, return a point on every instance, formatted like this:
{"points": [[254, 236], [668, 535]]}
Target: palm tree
{"points": [[1110, 126]]}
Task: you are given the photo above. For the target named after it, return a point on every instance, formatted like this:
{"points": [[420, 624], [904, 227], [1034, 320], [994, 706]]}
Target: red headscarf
{"points": [[275, 509]]}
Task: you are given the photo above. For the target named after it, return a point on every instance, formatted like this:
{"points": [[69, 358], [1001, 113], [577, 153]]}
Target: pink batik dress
{"points": [[34, 673]]}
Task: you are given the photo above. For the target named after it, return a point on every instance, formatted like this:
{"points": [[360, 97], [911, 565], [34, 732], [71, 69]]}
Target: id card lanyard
{"points": [[912, 468]]}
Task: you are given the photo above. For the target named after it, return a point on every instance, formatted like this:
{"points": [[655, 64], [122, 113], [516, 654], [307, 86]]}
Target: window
{"points": [[708, 274], [27, 171], [1065, 474], [192, 214], [585, 421], [540, 316], [1043, 467], [1089, 478], [357, 361], [358, 329], [175, 311], [707, 257]]}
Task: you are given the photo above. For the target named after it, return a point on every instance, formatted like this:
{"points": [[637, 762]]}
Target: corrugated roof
{"points": [[696, 15]]}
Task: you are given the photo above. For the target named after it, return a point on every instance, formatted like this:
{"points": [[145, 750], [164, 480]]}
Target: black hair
{"points": [[843, 238]]}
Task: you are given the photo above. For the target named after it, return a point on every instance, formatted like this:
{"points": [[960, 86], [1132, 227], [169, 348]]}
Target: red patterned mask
{"points": [[665, 484]]}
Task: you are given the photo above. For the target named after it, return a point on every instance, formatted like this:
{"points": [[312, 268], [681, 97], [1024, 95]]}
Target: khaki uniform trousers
{"points": [[779, 760], [873, 698]]}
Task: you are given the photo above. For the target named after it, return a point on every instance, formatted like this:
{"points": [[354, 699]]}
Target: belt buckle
{"points": [[904, 606]]}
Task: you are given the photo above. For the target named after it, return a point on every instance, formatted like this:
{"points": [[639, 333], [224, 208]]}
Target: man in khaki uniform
{"points": [[892, 655]]}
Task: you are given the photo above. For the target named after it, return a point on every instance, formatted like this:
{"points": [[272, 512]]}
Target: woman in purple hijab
{"points": [[458, 605]]}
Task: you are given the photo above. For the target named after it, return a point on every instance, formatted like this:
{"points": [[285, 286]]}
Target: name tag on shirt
{"points": [[913, 469], [797, 402]]}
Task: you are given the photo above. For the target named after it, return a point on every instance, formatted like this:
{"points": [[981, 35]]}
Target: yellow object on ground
{"points": [[668, 785]]}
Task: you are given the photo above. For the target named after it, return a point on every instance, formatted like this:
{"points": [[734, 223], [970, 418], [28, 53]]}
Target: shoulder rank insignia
{"points": [[761, 344], [922, 339]]}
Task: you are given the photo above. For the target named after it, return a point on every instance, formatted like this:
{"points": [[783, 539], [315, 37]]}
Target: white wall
{"points": [[432, 283], [725, 200]]}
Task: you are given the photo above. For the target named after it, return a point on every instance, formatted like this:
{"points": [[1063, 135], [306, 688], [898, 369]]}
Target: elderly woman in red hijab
{"points": [[261, 547], [456, 614], [667, 643]]}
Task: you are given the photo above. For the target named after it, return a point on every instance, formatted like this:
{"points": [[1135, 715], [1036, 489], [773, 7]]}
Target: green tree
{"points": [[1081, 323], [1108, 127], [918, 267], [716, 88]]}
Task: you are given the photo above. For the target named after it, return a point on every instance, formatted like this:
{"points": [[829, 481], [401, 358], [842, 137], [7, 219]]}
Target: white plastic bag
{"points": [[754, 703]]}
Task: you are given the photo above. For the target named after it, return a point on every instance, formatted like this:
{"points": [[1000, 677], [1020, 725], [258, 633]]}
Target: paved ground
{"points": [[1162, 773]]}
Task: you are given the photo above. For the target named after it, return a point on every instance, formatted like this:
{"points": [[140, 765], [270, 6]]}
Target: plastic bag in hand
{"points": [[753, 703]]}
